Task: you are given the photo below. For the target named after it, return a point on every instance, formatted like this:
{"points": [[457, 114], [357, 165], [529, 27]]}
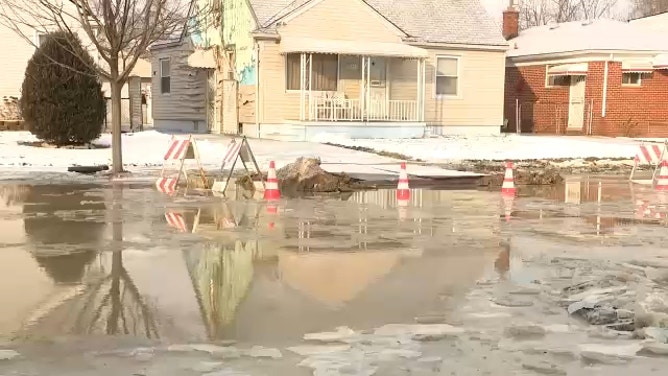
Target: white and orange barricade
{"points": [[649, 154], [178, 221], [237, 151], [178, 152], [645, 210]]}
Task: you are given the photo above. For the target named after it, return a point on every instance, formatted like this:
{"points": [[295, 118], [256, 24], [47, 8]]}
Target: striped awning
{"points": [[344, 47], [568, 70], [637, 66], [660, 61], [202, 59]]}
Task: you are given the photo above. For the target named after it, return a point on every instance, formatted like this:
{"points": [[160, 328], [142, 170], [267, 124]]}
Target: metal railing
{"points": [[340, 109]]}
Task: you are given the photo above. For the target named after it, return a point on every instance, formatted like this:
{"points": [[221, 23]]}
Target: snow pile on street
{"points": [[512, 147]]}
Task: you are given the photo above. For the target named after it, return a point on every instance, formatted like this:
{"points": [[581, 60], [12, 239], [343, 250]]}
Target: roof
{"points": [[655, 22], [318, 45], [660, 14], [436, 21], [578, 36]]}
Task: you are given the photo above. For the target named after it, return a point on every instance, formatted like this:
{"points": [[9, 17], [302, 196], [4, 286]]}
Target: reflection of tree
{"points": [[120, 310], [45, 225], [221, 278], [108, 303], [127, 312]]}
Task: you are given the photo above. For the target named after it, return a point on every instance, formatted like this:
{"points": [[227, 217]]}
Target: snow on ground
{"points": [[143, 152], [505, 147]]}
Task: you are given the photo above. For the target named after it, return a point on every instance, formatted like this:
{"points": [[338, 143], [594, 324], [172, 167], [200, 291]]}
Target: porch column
{"points": [[363, 88], [302, 84], [419, 90], [367, 91], [423, 91], [310, 85]]}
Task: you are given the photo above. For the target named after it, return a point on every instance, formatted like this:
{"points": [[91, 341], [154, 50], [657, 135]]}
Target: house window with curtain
{"points": [[447, 76], [165, 76], [325, 72]]}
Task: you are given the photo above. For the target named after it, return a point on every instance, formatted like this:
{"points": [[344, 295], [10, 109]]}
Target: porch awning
{"points": [[660, 61], [568, 70], [202, 59], [344, 47], [637, 66]]}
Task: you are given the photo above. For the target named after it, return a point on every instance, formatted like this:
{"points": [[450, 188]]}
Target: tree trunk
{"points": [[116, 149]]}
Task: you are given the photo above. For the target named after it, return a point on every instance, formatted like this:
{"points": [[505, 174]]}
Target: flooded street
{"points": [[122, 280]]}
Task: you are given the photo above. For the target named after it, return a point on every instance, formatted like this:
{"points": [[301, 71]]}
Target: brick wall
{"points": [[630, 111]]}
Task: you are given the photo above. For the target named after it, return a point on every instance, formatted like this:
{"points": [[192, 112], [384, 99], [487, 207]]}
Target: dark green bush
{"points": [[61, 100]]}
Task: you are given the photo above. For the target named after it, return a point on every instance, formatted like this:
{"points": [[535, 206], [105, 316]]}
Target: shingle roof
{"points": [[439, 21], [586, 36]]}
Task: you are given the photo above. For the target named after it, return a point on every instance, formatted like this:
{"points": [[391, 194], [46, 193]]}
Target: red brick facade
{"points": [[630, 111]]}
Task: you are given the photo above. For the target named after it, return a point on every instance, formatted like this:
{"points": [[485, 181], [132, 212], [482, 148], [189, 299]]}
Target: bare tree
{"points": [[543, 12], [645, 8], [118, 32]]}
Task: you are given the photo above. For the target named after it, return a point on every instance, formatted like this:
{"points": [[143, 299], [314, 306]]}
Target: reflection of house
{"points": [[296, 69], [600, 77]]}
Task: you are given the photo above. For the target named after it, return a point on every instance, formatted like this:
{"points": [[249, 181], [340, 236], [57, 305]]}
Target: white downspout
{"points": [[257, 89], [605, 86]]}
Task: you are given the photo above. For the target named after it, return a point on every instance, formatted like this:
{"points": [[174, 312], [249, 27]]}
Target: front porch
{"points": [[360, 82]]}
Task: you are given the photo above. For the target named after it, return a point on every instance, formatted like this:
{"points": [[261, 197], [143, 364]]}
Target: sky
{"points": [[496, 7]]}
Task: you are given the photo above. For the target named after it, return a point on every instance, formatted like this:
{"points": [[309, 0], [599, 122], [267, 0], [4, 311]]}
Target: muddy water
{"points": [[92, 261]]}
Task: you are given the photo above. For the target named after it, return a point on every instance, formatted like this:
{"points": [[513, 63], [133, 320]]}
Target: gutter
{"points": [[257, 89], [605, 85], [482, 47]]}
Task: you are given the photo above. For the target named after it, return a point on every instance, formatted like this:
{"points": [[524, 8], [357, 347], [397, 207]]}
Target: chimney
{"points": [[511, 21]]}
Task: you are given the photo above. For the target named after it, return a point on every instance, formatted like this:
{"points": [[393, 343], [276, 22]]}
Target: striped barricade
{"points": [[178, 152], [178, 221], [235, 151], [649, 154]]}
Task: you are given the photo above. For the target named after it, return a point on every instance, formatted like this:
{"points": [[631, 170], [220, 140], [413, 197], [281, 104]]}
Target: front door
{"points": [[576, 103], [377, 88]]}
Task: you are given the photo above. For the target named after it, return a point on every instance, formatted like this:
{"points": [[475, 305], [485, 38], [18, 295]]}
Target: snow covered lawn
{"points": [[505, 147], [143, 153]]}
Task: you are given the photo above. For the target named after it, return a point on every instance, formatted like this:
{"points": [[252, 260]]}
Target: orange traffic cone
{"points": [[662, 178], [508, 186], [272, 210], [403, 191], [271, 192]]}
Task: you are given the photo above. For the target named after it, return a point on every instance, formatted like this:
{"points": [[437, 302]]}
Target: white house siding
{"points": [[184, 108]]}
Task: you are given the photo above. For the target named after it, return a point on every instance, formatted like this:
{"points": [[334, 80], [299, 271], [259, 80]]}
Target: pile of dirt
{"points": [[306, 175], [547, 176]]}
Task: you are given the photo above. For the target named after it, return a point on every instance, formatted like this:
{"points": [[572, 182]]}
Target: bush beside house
{"points": [[62, 101]]}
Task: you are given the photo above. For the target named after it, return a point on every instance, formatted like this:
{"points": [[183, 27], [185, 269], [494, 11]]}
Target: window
{"points": [[631, 79], [40, 38], [165, 77], [325, 72], [447, 76], [553, 81]]}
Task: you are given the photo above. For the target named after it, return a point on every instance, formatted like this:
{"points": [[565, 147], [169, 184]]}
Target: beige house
{"points": [[17, 51], [300, 70]]}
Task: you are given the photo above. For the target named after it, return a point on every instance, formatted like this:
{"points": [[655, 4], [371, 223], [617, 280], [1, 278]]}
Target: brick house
{"points": [[600, 77]]}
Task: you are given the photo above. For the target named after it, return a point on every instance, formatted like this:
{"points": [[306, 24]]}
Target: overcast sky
{"points": [[495, 7]]}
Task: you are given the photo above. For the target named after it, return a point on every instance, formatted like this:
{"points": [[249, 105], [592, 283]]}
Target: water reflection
{"points": [[202, 268], [62, 229]]}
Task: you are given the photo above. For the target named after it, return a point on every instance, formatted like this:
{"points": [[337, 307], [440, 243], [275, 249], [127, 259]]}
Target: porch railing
{"points": [[340, 109]]}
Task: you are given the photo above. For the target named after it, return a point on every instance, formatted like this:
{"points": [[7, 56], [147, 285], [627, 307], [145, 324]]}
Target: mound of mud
{"points": [[547, 176], [306, 175]]}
